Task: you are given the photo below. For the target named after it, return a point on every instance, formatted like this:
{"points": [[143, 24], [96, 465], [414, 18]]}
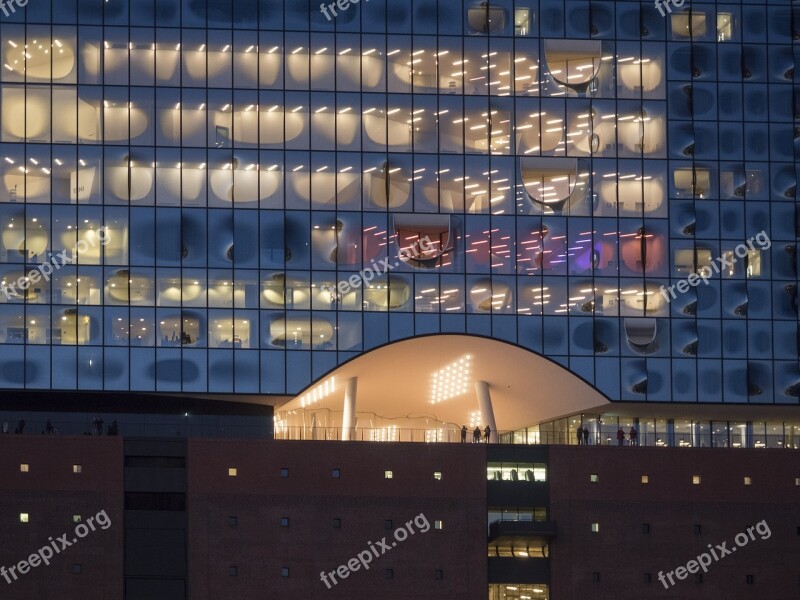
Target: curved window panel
{"points": [[573, 63], [301, 333], [39, 58]]}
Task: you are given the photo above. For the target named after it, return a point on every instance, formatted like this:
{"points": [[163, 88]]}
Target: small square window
{"points": [[438, 524], [232, 472], [388, 474], [645, 479], [750, 579], [337, 523], [77, 469], [594, 478], [388, 574], [336, 473], [233, 571], [748, 481], [76, 518], [797, 480], [645, 527], [284, 571], [388, 524], [438, 574], [698, 578], [595, 577], [284, 472], [648, 578], [284, 521], [698, 529], [76, 569], [695, 479], [24, 518], [233, 521], [595, 527], [437, 475], [24, 468]]}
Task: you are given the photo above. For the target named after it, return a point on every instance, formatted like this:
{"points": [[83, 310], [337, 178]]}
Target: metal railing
{"points": [[524, 437]]}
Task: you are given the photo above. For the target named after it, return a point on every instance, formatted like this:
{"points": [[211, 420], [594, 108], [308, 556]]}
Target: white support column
{"points": [[349, 412], [485, 406]]}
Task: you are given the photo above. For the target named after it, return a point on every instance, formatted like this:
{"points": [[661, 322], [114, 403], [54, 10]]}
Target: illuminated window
{"points": [[724, 27], [522, 21], [438, 524], [595, 527], [754, 263], [232, 472], [76, 518], [695, 479], [437, 475], [23, 517], [24, 468], [748, 481], [388, 474], [645, 479], [77, 469], [594, 478]]}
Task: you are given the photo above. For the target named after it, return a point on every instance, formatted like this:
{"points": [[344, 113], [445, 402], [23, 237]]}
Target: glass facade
{"points": [[256, 170]]}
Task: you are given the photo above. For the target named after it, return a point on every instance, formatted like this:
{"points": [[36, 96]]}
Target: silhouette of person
{"points": [[464, 433]]}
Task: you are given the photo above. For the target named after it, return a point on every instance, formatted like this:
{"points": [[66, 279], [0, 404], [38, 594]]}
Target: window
{"points": [[76, 569], [695, 479], [233, 571], [797, 480], [698, 578], [595, 527], [232, 472], [284, 521], [521, 21], [594, 478], [284, 571], [337, 523], [24, 468], [438, 524], [76, 518], [284, 472], [595, 577], [23, 517], [233, 521], [750, 579], [337, 473], [698, 529], [648, 578], [388, 475], [724, 26], [77, 469], [645, 527], [645, 479], [388, 574], [437, 475], [388, 524], [748, 481], [438, 574]]}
